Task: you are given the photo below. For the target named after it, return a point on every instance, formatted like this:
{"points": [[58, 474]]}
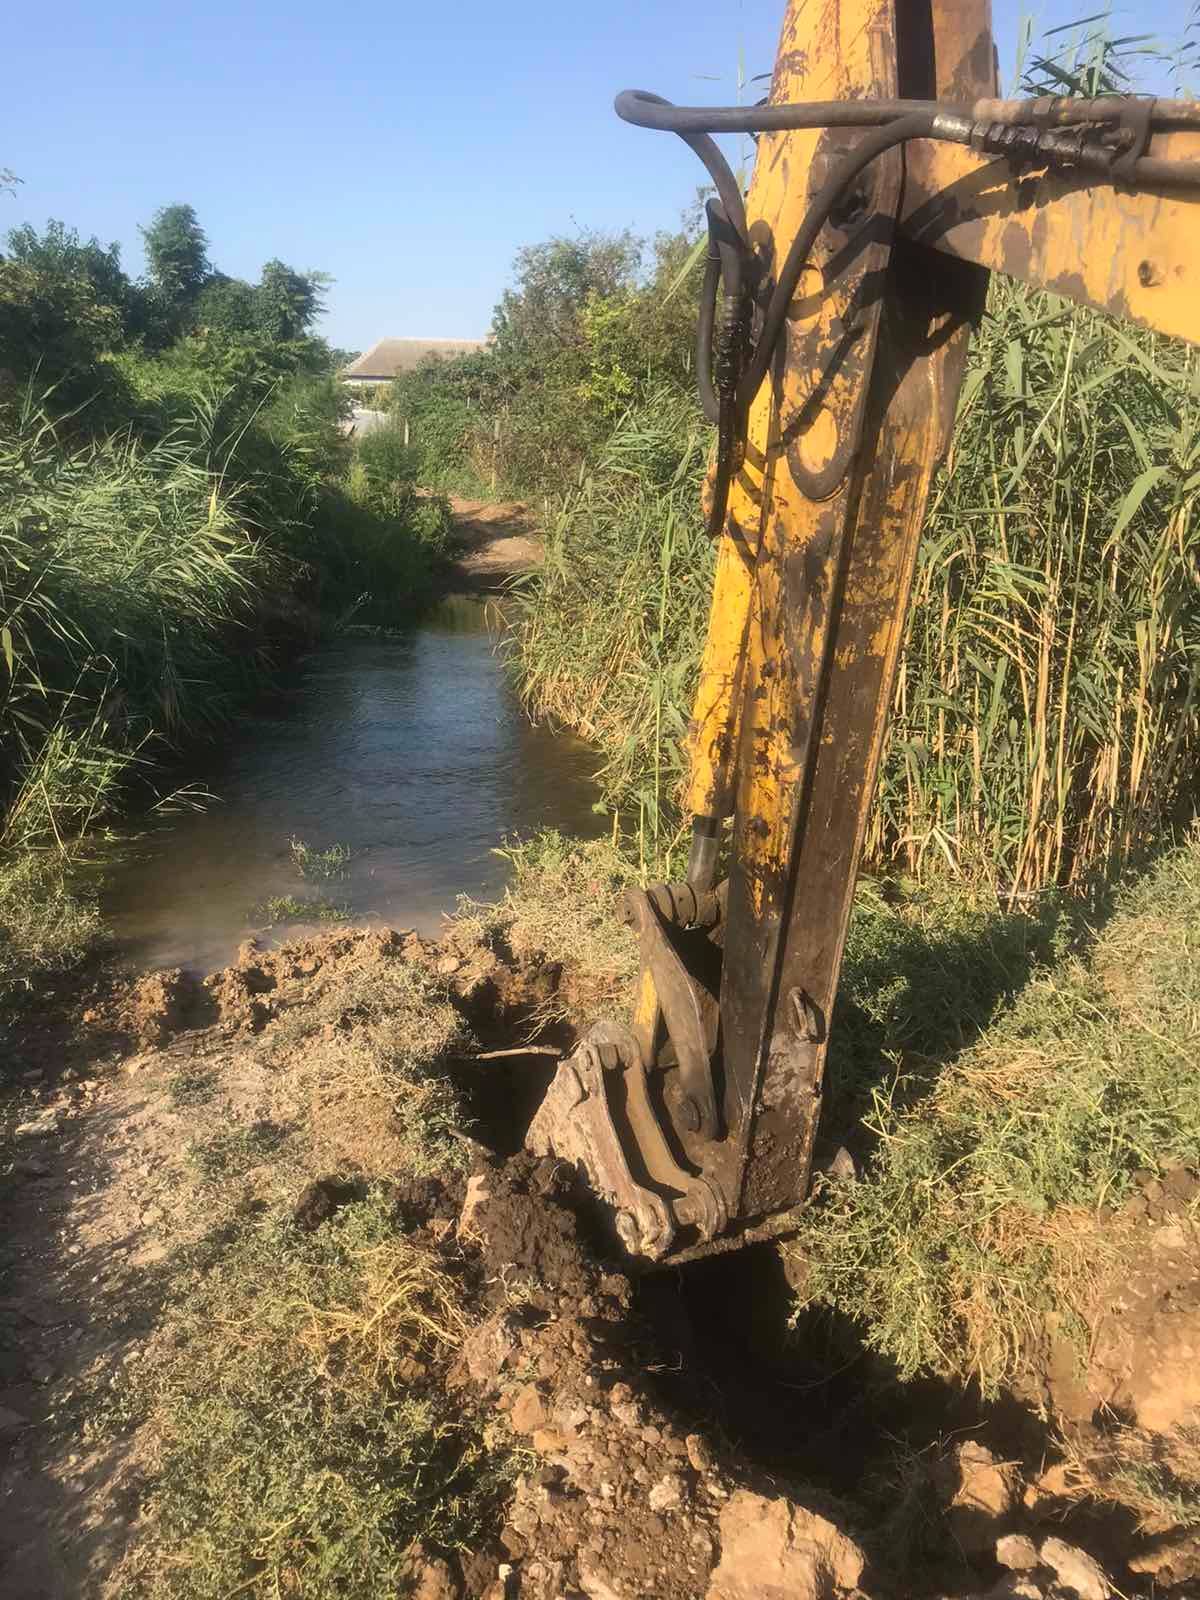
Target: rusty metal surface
{"points": [[597, 1115], [703, 1116], [688, 1009], [1134, 255]]}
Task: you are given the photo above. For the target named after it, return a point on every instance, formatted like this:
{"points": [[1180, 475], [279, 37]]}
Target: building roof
{"points": [[392, 356]]}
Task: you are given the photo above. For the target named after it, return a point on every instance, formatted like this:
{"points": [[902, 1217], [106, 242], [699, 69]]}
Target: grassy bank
{"points": [[994, 1157], [180, 506], [1012, 1085]]}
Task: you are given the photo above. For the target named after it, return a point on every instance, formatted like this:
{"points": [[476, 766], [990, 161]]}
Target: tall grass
{"points": [[1047, 715], [128, 586], [611, 626], [147, 579]]}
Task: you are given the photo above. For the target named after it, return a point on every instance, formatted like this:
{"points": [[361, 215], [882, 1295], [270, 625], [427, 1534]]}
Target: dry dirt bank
{"points": [[286, 1313], [499, 540]]}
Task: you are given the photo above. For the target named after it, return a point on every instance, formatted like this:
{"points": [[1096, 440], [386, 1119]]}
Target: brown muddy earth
{"points": [[671, 1434], [498, 539]]}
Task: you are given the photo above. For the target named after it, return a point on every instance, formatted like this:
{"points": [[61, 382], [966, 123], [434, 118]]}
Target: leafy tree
{"points": [[177, 254], [554, 281], [63, 305], [228, 306], [59, 254], [288, 302]]}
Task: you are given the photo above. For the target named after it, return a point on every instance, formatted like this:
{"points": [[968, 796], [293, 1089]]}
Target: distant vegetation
{"points": [[178, 502]]}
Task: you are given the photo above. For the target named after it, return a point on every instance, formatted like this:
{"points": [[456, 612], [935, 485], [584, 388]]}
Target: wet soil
{"points": [[680, 1437]]}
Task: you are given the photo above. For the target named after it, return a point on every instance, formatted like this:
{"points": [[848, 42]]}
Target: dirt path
{"points": [[500, 541]]}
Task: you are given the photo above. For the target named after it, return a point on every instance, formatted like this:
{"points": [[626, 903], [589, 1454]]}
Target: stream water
{"points": [[412, 751]]}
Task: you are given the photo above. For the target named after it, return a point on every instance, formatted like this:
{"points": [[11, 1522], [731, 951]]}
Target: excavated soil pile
{"points": [[302, 1078]]}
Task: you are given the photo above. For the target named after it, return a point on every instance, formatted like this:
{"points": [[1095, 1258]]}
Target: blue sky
{"points": [[407, 150]]}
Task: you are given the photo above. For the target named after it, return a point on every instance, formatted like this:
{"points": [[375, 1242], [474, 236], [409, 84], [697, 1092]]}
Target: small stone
{"points": [[1016, 1552], [774, 1547], [448, 966], [980, 1492], [666, 1494], [596, 1586], [651, 1435], [151, 1215], [627, 1413], [548, 1442], [1075, 1569], [699, 1453], [570, 1419], [1054, 1484], [477, 1196], [528, 1410]]}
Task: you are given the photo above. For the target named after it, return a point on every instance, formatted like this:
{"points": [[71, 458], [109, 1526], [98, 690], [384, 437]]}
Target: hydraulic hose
{"points": [[916, 125], [1108, 143]]}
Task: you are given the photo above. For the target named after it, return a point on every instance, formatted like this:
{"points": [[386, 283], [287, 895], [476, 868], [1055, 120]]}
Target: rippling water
{"points": [[412, 751]]}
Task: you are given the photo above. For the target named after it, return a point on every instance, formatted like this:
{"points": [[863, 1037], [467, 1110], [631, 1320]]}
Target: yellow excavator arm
{"points": [[839, 298]]}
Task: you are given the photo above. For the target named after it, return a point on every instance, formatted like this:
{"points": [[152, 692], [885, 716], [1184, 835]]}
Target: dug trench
{"points": [[287, 1311]]}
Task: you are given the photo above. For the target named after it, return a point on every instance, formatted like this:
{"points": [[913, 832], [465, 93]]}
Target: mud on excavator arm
{"points": [[849, 281]]}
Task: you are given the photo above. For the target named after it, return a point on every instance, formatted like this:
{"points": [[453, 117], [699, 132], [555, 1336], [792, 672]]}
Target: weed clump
{"points": [[48, 919], [302, 1432], [380, 1036], [981, 1210], [332, 862], [291, 908], [560, 904]]}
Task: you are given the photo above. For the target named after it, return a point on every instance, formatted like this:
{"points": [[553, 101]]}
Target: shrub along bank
{"points": [[178, 498]]}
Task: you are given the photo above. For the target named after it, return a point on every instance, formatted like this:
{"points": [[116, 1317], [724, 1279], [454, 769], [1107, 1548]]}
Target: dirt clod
{"points": [[773, 1549], [1017, 1552], [980, 1494], [1075, 1570]]}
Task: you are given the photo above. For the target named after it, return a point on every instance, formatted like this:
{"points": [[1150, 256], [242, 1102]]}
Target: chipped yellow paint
{"points": [[834, 50], [830, 50], [645, 1015], [1135, 255]]}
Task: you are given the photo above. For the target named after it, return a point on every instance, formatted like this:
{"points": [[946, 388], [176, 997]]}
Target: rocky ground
{"points": [[589, 1436]]}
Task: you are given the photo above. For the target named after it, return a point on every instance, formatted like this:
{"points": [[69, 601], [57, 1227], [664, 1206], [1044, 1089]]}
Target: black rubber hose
{"points": [[918, 125], [646, 110], [694, 123], [705, 322], [698, 140]]}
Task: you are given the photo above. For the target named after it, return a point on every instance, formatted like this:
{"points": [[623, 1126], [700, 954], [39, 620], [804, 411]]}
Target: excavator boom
{"points": [[840, 294]]}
